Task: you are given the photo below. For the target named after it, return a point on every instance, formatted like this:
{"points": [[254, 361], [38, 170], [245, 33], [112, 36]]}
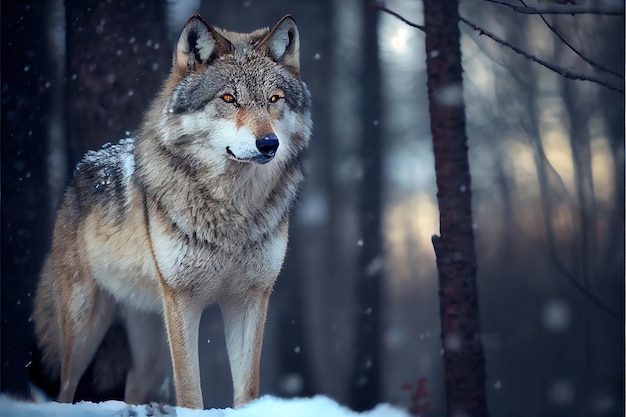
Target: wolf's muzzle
{"points": [[267, 145]]}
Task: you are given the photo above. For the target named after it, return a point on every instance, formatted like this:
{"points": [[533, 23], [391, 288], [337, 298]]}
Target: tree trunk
{"points": [[456, 258], [365, 393], [26, 72], [294, 374], [118, 56]]}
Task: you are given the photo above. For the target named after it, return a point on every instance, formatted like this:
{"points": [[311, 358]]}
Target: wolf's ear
{"points": [[283, 43], [198, 45]]}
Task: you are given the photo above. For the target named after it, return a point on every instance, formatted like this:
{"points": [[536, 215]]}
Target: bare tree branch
{"points": [[564, 72], [563, 9], [379, 6], [594, 64], [553, 249], [580, 287], [545, 169]]}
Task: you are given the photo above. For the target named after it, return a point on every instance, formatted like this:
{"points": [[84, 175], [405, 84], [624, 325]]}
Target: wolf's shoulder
{"points": [[109, 155], [108, 170], [110, 160]]}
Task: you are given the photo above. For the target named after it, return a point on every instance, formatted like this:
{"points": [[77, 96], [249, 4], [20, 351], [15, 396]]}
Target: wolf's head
{"points": [[235, 97]]}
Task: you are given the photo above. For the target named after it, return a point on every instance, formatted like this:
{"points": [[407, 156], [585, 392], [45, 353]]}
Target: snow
{"points": [[269, 406], [557, 316], [451, 95], [561, 392], [266, 406], [109, 154]]}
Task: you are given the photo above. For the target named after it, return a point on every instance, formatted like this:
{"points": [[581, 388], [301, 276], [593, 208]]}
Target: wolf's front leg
{"points": [[182, 321], [244, 322]]}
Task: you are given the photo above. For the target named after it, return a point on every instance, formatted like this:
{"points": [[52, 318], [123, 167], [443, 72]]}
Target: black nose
{"points": [[267, 145]]}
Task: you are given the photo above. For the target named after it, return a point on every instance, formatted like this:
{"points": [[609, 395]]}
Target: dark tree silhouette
{"points": [[118, 55], [366, 382], [293, 356], [26, 70], [456, 258]]}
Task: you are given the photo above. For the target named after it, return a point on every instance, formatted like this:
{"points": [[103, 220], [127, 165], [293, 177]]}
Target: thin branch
{"points": [[563, 9], [379, 6], [594, 64], [564, 72], [545, 168], [555, 256], [578, 286]]}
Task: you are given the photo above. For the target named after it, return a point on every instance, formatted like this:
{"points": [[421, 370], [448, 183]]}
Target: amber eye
{"points": [[275, 98], [229, 98]]}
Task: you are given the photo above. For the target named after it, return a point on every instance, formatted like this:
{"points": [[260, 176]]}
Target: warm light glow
{"points": [[603, 169], [409, 225], [522, 165], [399, 40], [559, 154]]}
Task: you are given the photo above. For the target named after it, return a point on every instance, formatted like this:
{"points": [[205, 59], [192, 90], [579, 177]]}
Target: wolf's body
{"points": [[193, 211]]}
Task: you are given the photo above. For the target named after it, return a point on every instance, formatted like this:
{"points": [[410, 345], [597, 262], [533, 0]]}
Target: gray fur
{"points": [[182, 216]]}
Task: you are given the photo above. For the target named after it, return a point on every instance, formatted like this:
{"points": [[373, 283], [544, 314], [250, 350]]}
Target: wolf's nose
{"points": [[267, 145]]}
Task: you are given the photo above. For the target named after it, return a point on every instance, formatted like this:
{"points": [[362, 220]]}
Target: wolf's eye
{"points": [[229, 98], [275, 98]]}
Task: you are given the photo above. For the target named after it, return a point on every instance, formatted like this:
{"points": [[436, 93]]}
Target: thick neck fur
{"points": [[207, 203], [187, 151]]}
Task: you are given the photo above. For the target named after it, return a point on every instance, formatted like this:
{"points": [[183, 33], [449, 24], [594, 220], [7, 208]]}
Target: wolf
{"points": [[192, 211]]}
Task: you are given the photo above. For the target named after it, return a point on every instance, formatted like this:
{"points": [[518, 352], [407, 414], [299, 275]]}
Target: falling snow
{"points": [[557, 316], [561, 392], [451, 95], [453, 342]]}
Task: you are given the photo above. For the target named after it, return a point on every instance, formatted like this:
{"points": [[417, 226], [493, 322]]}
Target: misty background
{"points": [[546, 158]]}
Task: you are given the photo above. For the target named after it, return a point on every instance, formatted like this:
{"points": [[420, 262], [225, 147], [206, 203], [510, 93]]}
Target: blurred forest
{"points": [[355, 313]]}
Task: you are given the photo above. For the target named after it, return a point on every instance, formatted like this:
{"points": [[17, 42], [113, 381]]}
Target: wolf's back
{"points": [[100, 182]]}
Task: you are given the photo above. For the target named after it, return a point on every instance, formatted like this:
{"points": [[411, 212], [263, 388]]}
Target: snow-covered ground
{"points": [[266, 406]]}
